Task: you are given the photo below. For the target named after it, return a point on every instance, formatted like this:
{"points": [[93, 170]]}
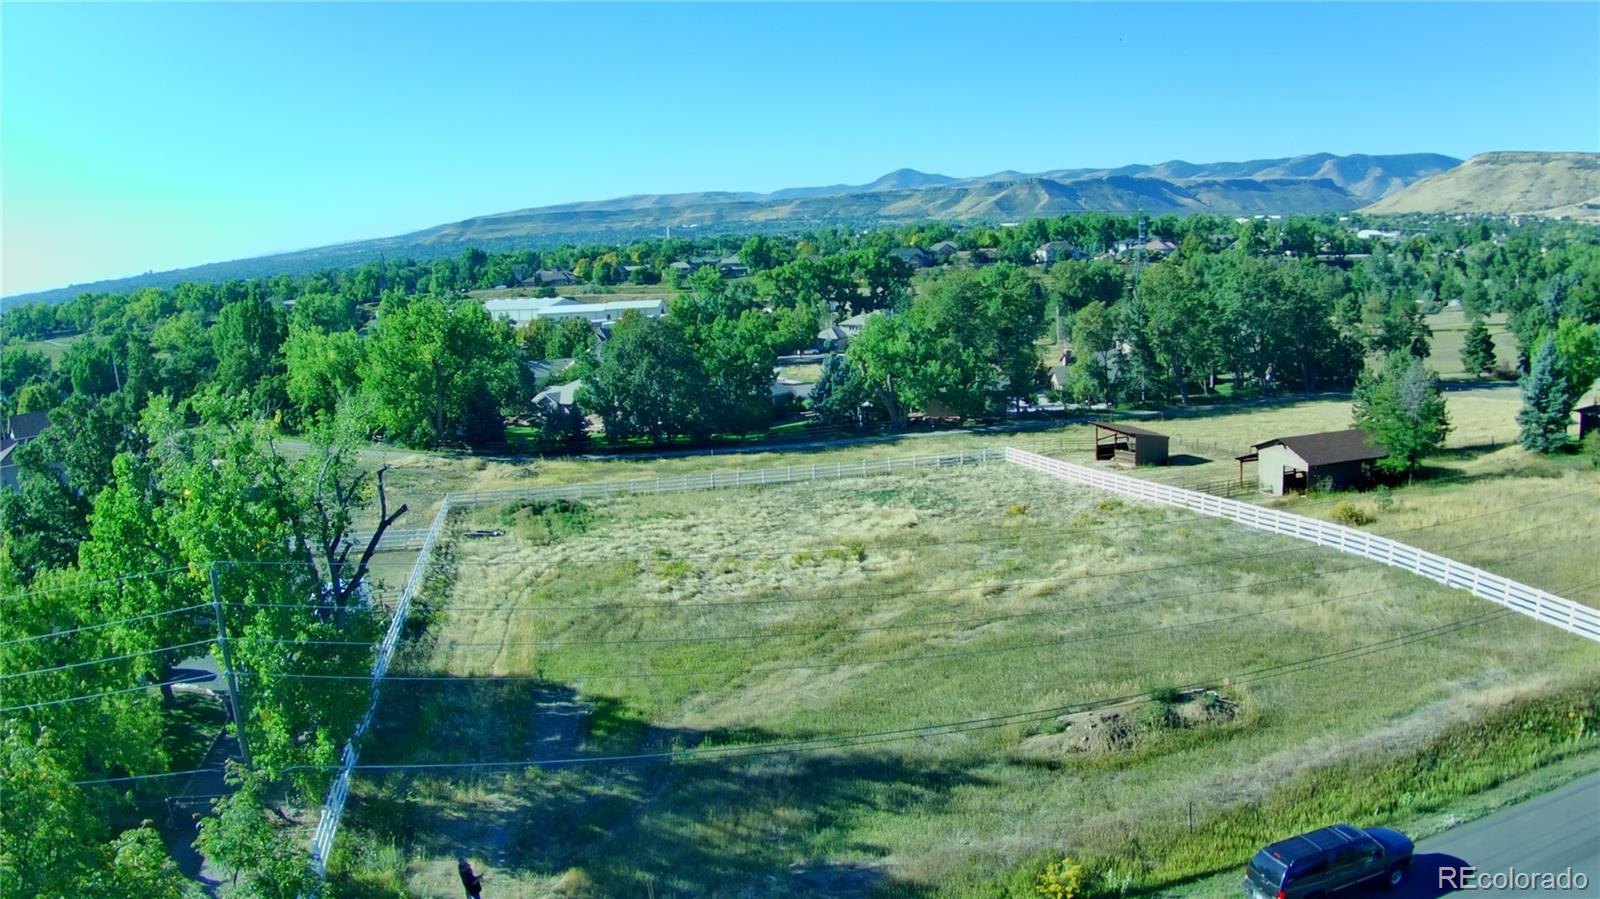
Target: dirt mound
{"points": [[1126, 727]]}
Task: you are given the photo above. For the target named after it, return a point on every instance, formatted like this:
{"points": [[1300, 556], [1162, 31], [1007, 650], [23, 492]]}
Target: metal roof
{"points": [[1129, 430], [1329, 448]]}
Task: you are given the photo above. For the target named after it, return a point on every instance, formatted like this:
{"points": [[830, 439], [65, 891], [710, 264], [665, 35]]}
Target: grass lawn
{"points": [[1449, 328], [834, 609], [54, 347]]}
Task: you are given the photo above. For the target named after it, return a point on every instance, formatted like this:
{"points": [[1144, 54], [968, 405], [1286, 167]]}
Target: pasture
{"points": [[893, 623]]}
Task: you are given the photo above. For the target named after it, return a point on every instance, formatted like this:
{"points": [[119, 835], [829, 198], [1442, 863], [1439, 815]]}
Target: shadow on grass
{"points": [[772, 823]]}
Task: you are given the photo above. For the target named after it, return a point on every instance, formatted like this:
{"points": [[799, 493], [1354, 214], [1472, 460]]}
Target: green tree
{"points": [[322, 368], [1477, 352], [1402, 409], [440, 372], [1092, 371], [248, 339], [648, 383], [840, 396], [263, 861], [1547, 401], [1578, 344]]}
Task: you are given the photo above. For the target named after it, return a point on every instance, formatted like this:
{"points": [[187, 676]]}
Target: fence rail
{"points": [[333, 808], [1537, 604]]}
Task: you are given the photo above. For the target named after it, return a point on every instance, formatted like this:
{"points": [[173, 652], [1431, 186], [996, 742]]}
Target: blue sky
{"points": [[145, 137]]}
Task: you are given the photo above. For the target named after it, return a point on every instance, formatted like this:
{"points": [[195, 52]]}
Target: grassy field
{"points": [[53, 347], [822, 611], [1449, 328]]}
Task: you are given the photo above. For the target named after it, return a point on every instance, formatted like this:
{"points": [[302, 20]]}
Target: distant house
{"points": [[1055, 251], [916, 257], [527, 309], [25, 426], [19, 429], [1335, 459], [549, 277], [545, 369], [943, 250], [855, 324], [1059, 377], [559, 397], [731, 267], [1375, 234], [832, 339]]}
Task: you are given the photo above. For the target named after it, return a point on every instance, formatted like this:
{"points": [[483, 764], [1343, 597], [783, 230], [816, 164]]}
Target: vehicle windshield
{"points": [[1267, 868]]}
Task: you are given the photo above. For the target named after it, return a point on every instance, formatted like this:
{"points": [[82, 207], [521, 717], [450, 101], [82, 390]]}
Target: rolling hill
{"points": [[1319, 182], [1514, 183]]}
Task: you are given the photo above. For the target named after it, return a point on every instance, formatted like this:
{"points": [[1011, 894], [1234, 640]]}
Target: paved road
{"points": [[1552, 832]]}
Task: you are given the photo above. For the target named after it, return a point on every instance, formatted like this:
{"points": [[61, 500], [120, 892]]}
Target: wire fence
{"points": [[333, 808], [1540, 605]]}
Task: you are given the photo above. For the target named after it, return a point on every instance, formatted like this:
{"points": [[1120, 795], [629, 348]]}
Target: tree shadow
{"points": [[1183, 460], [707, 825]]}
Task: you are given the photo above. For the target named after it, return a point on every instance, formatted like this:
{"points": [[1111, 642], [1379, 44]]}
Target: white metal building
{"points": [[526, 309]]}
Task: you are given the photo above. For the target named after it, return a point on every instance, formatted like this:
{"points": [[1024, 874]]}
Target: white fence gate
{"points": [[1538, 604]]}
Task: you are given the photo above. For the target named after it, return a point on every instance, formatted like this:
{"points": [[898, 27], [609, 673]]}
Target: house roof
{"points": [[944, 246], [27, 425], [525, 304], [560, 394], [546, 368], [1592, 407], [831, 332], [1329, 448], [1128, 430], [1056, 245], [859, 320]]}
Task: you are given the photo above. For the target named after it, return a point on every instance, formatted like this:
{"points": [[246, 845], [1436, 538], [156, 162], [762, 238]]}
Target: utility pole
{"points": [[227, 664]]}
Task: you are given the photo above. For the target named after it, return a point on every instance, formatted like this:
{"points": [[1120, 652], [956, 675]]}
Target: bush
{"points": [[540, 522], [1348, 513], [1064, 879], [1591, 448], [1166, 695]]}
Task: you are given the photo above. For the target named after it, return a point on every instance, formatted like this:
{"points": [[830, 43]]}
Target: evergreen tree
{"points": [[1546, 402], [1477, 354]]}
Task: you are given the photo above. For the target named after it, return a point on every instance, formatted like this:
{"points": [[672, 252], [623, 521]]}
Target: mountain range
{"points": [[1319, 182]]}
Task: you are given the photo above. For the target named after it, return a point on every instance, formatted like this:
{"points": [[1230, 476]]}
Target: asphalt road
{"points": [[1553, 832]]}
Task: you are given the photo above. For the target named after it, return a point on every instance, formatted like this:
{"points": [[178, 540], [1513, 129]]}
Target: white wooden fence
{"points": [[333, 808], [1538, 604]]}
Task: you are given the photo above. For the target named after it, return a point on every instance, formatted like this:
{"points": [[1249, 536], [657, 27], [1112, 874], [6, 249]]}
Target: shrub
{"points": [[540, 522], [1016, 509], [1591, 448], [1064, 879], [1166, 695], [1348, 513]]}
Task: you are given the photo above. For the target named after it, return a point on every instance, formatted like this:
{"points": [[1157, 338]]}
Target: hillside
{"points": [[1319, 182], [1519, 183]]}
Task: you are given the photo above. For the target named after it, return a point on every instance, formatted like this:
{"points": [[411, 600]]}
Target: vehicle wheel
{"points": [[1396, 875]]}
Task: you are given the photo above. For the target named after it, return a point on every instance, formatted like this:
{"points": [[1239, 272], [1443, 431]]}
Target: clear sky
{"points": [[146, 137]]}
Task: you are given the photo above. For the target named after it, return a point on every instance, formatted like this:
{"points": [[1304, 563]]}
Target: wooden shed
{"points": [[1588, 420], [1335, 459], [1128, 444]]}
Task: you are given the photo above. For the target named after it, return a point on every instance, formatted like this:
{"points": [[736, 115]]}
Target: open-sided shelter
{"points": [[1128, 444]]}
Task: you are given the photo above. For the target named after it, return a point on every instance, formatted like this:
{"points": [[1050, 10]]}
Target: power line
{"points": [[765, 669], [95, 583], [874, 629], [121, 658], [845, 741], [40, 705], [104, 624]]}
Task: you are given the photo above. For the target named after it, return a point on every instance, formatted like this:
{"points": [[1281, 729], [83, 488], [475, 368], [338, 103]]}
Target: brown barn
{"points": [[1296, 464], [1128, 444], [1588, 420]]}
